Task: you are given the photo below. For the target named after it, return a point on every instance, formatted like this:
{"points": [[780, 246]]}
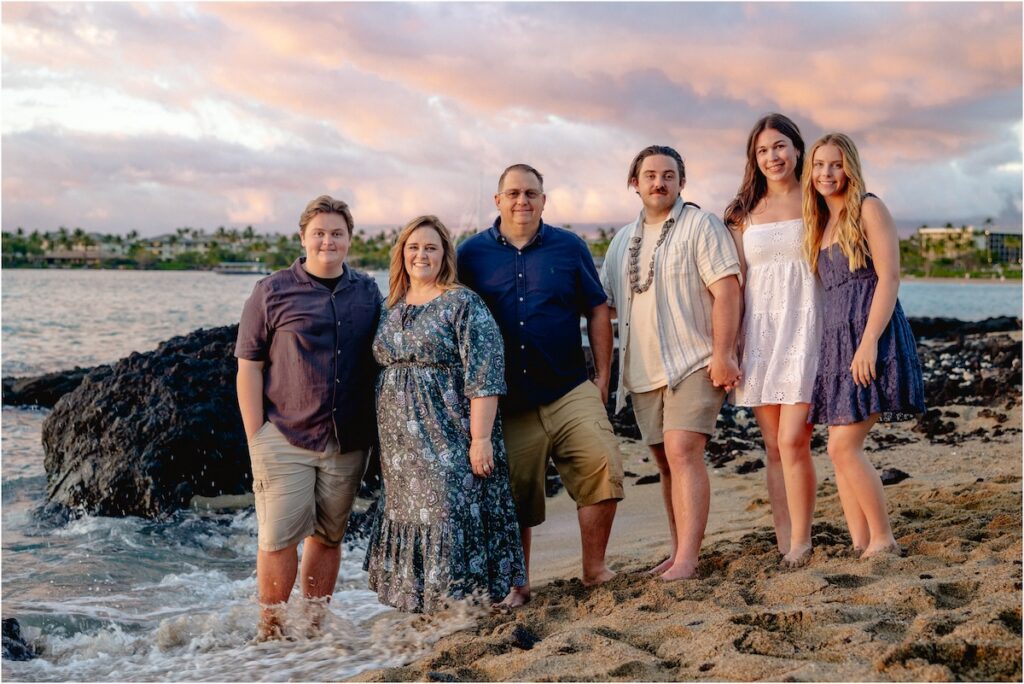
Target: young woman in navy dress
{"points": [[868, 369]]}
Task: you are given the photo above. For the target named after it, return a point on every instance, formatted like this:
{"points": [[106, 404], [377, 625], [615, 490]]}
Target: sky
{"points": [[154, 116]]}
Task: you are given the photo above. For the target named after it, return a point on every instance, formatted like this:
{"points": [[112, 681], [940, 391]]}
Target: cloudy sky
{"points": [[153, 116]]}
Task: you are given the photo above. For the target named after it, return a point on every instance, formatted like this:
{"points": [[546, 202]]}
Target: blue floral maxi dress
{"points": [[897, 392], [440, 531]]}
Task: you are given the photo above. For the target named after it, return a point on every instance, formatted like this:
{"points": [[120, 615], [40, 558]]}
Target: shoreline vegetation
{"points": [[196, 250]]}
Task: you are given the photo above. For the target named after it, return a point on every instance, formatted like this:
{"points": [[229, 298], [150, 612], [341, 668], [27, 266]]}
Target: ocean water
{"points": [[175, 600]]}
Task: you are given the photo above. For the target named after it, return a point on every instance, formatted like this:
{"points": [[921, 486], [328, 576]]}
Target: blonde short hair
{"points": [[325, 204]]}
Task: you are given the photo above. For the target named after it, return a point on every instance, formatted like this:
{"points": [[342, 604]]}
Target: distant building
{"points": [[170, 246], [949, 242], [1003, 248]]}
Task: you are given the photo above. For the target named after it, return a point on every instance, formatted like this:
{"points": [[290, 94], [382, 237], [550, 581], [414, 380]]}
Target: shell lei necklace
{"points": [[634, 257]]}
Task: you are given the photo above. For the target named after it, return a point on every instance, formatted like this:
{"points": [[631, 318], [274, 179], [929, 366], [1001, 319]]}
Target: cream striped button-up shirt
{"points": [[697, 251]]}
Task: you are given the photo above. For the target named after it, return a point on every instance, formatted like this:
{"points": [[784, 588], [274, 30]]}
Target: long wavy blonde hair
{"points": [[848, 232], [398, 280]]}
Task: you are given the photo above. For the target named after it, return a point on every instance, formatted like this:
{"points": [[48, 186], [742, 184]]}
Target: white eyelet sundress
{"points": [[781, 318]]}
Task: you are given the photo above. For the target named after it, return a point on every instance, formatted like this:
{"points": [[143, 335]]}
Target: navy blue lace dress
{"points": [[897, 392], [440, 532]]}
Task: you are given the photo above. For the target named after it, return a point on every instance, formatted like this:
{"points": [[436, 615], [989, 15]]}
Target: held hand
{"points": [[602, 386], [481, 457], [724, 372], [864, 362]]}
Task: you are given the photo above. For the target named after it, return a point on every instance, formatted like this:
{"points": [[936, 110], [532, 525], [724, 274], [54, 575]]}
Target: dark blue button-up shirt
{"points": [[315, 343], [537, 295]]}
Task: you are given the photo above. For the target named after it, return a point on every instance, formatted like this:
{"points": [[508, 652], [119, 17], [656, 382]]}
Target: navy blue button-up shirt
{"points": [[537, 295], [318, 371]]}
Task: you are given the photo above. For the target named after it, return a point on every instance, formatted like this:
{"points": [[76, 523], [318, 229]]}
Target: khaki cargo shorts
{"points": [[301, 493], [575, 433], [691, 405]]}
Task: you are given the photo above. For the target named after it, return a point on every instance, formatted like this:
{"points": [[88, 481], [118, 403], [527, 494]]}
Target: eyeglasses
{"points": [[516, 194]]}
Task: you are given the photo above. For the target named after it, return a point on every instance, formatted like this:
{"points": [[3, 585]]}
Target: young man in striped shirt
{"points": [[672, 279]]}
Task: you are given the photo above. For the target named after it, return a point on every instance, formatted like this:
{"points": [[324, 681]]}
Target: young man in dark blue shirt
{"points": [[537, 281]]}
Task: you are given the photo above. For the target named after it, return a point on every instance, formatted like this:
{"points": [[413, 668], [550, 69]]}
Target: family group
{"points": [[470, 374]]}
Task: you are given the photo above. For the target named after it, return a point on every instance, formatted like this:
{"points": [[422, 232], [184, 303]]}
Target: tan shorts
{"points": [[575, 433], [691, 405], [301, 493]]}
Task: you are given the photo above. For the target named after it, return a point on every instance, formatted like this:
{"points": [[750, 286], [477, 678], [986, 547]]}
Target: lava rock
{"points": [[930, 423], [891, 476], [749, 466], [952, 328], [42, 390], [524, 638], [14, 645], [649, 479], [142, 436]]}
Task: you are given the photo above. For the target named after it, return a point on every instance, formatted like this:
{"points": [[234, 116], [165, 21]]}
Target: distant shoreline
{"points": [[904, 278], [967, 281]]}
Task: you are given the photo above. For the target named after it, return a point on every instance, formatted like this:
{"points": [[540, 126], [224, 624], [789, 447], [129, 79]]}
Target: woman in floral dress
{"points": [[446, 525]]}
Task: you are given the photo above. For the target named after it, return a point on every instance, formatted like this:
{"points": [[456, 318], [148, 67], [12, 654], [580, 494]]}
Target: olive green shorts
{"points": [[691, 405], [301, 493], [575, 433]]}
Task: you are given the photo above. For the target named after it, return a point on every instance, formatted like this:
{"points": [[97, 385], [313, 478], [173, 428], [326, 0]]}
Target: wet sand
{"points": [[949, 610]]}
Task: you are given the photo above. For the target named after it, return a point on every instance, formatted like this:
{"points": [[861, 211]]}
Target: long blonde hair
{"points": [[398, 278], [848, 232]]}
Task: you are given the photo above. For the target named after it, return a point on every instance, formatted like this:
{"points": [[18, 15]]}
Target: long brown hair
{"points": [[848, 232], [398, 278], [754, 184]]}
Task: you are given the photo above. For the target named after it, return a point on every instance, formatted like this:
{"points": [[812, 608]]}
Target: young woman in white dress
{"points": [[781, 326]]}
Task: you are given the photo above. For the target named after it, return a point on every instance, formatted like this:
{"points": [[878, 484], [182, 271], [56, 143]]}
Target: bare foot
{"points": [[517, 596], [797, 558], [599, 578], [271, 626], [892, 549], [269, 632], [679, 572], [662, 566]]}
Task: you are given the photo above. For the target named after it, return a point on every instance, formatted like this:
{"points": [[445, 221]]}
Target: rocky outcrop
{"points": [[142, 436], [951, 328], [42, 390]]}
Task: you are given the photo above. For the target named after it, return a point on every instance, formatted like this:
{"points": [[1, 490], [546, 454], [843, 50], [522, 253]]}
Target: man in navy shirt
{"points": [[538, 280]]}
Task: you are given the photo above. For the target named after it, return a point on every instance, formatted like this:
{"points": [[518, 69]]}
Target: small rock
{"points": [[523, 638], [649, 479], [893, 475], [749, 466], [14, 646]]}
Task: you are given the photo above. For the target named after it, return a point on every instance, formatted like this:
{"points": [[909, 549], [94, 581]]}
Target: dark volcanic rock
{"points": [[144, 435], [42, 390], [891, 476], [14, 646], [750, 466], [951, 328]]}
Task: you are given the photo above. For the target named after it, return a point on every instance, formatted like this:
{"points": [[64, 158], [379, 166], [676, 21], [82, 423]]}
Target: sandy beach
{"points": [[949, 610]]}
